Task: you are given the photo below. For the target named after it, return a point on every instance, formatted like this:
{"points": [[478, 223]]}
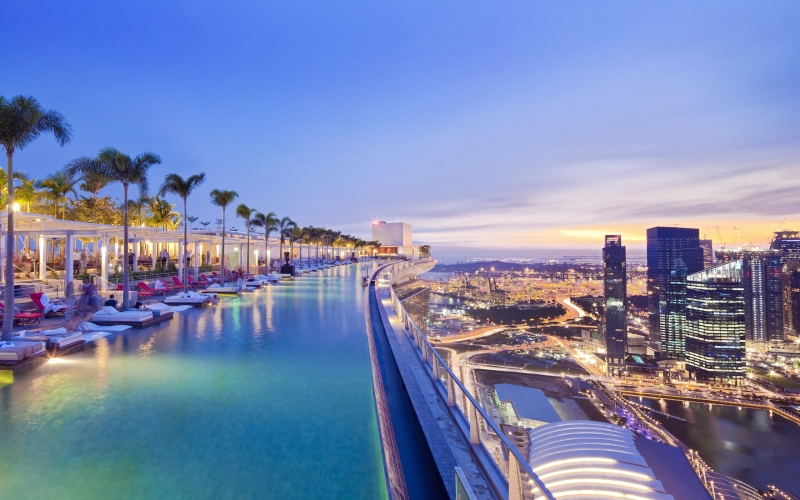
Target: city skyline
{"points": [[688, 114]]}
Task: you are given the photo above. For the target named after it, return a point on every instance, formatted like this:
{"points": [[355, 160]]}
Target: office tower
{"points": [[715, 324], [788, 243], [762, 278], [670, 249], [708, 253], [616, 303]]}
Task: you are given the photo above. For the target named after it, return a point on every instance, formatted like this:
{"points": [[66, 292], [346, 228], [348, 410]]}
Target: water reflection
{"points": [[747, 444], [217, 400]]}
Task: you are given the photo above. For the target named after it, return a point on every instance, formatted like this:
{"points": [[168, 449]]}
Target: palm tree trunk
{"points": [[185, 277], [8, 317], [222, 256], [125, 248], [247, 228]]}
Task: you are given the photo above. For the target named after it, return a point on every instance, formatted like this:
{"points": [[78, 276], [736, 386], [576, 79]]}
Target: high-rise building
{"points": [[708, 253], [670, 249], [762, 278], [616, 303], [788, 242], [715, 324]]}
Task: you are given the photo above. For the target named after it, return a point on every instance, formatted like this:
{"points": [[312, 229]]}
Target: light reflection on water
{"points": [[264, 396], [747, 444]]}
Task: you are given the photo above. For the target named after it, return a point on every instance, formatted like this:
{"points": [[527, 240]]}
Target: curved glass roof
{"points": [[580, 459]]}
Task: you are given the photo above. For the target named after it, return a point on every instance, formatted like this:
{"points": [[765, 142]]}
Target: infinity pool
{"points": [[264, 396]]}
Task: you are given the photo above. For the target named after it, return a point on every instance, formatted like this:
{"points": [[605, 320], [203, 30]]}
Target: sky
{"points": [[494, 128]]}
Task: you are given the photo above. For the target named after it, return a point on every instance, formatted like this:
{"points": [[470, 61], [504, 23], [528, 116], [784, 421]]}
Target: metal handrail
{"points": [[427, 353]]}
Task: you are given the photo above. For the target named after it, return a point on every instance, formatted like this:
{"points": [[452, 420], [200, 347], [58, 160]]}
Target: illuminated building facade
{"points": [[616, 303], [715, 324], [672, 253], [708, 253], [788, 242], [763, 282], [395, 238]]}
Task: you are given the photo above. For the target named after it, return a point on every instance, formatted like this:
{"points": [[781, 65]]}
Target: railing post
{"points": [[451, 391], [514, 479], [474, 431], [435, 366]]}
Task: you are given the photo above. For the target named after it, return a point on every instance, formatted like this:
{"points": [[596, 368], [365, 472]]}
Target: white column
{"points": [[240, 255], [68, 260], [181, 260], [153, 254], [104, 264], [3, 237], [197, 251], [42, 246], [135, 254]]}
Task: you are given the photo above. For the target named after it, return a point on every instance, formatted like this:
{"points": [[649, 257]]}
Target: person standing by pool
{"points": [[84, 260], [69, 294], [164, 257]]}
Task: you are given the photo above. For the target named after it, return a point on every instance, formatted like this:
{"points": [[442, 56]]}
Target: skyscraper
{"points": [[715, 324], [788, 243], [708, 253], [762, 279], [670, 249], [616, 303]]}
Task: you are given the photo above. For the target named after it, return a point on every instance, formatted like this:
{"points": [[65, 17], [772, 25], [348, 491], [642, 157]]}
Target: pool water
{"points": [[268, 395]]}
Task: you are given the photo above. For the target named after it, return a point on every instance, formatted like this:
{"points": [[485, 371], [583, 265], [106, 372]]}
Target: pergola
{"points": [[41, 228]]}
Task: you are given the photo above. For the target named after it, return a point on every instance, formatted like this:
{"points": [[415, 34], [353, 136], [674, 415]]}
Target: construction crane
{"points": [[720, 237]]}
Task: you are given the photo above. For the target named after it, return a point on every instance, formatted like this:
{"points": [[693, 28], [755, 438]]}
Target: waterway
{"points": [[268, 395], [747, 444]]}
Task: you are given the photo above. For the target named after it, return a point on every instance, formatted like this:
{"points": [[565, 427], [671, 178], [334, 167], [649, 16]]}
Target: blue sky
{"points": [[490, 127]]}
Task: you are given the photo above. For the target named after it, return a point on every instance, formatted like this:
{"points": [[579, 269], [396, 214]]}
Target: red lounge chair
{"points": [[149, 291], [198, 283], [177, 281], [139, 293], [50, 307], [25, 318]]}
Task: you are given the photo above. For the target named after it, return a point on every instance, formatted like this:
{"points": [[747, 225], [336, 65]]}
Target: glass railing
{"points": [[506, 468]]}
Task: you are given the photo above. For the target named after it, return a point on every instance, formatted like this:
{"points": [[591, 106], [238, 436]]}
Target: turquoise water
{"points": [[264, 396]]}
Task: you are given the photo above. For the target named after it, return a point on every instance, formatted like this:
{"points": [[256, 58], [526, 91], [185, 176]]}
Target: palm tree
{"points": [[191, 220], [174, 183], [307, 235], [139, 205], [163, 214], [223, 198], [93, 183], [268, 222], [284, 226], [57, 186], [246, 213], [27, 193], [22, 120], [118, 167]]}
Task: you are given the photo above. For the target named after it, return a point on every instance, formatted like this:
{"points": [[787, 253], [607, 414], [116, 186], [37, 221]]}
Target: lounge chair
{"points": [[149, 292], [25, 318], [108, 314], [65, 339], [179, 283], [47, 306], [19, 350], [198, 283]]}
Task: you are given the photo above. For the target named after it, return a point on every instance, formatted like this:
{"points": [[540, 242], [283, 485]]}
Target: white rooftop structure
{"points": [[531, 406], [585, 460]]}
